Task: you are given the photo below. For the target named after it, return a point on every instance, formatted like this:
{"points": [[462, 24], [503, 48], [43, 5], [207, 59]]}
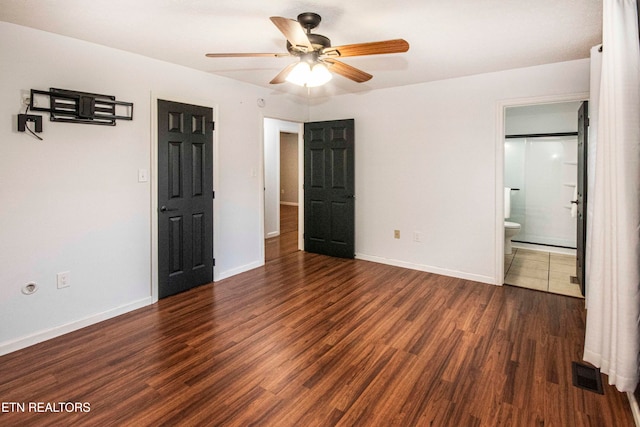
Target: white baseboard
{"points": [[635, 409], [38, 337], [289, 203], [225, 274], [428, 269]]}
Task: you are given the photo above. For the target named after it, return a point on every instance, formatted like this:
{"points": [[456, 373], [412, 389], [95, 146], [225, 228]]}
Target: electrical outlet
{"points": [[396, 234], [63, 280], [26, 99]]}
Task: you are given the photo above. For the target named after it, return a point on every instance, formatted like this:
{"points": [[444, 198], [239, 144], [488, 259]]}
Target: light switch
{"points": [[143, 175]]}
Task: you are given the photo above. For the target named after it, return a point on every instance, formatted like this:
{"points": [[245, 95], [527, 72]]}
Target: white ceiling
{"points": [[448, 38]]}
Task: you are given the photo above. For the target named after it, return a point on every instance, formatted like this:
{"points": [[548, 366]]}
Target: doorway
{"points": [[326, 188], [283, 204], [539, 159]]}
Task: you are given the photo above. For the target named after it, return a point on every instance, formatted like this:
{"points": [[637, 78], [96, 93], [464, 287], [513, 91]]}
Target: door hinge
{"points": [[213, 125], [586, 121], [213, 196], [214, 262]]}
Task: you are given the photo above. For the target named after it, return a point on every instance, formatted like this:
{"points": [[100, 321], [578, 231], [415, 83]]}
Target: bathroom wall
{"points": [[545, 171]]}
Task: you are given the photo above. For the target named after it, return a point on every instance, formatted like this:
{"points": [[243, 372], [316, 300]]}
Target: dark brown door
{"points": [[185, 193], [329, 188], [583, 136]]}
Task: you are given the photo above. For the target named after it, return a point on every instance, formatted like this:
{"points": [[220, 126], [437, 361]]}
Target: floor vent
{"points": [[587, 377], [574, 280]]}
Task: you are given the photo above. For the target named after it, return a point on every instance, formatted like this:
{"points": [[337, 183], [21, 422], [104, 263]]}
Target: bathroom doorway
{"points": [[540, 179]]}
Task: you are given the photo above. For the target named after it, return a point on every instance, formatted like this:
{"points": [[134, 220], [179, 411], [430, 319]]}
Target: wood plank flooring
{"points": [[309, 340], [287, 241]]}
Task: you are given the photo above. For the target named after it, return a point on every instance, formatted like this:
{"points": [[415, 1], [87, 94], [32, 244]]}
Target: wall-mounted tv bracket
{"points": [[24, 118], [80, 107]]}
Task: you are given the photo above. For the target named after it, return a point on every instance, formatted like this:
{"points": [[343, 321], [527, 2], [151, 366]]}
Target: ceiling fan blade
{"points": [[282, 75], [293, 32], [372, 48], [246, 55], [348, 71]]}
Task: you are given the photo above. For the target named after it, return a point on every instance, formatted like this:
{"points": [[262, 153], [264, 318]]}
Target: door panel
{"points": [[185, 191], [583, 132], [329, 188]]}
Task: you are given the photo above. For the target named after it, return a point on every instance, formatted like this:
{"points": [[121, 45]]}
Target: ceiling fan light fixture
{"points": [[304, 74]]}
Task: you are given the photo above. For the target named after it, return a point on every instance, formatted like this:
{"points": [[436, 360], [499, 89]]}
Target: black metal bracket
{"points": [[81, 107], [24, 118]]}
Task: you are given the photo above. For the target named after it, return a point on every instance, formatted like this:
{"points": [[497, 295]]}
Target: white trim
{"points": [[261, 189], [11, 346], [238, 270], [155, 96], [300, 186], [635, 409], [501, 106], [427, 268]]}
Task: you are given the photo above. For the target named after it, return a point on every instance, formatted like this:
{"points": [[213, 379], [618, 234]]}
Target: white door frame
{"points": [[499, 148]]}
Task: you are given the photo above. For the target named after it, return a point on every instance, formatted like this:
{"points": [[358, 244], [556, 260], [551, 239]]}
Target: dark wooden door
{"points": [[329, 188], [583, 136], [185, 197]]}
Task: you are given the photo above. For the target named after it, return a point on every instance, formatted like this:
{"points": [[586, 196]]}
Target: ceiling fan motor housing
{"points": [[318, 42]]}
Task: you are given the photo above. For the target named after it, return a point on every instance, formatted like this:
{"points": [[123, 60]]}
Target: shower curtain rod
{"points": [[541, 135]]}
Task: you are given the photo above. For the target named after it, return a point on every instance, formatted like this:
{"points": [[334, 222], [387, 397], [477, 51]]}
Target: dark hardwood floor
{"points": [[287, 241], [309, 340]]}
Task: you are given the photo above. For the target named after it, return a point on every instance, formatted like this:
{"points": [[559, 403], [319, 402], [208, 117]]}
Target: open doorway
{"points": [[540, 181], [283, 204]]}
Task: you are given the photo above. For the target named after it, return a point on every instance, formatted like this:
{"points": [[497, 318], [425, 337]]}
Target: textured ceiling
{"points": [[448, 39]]}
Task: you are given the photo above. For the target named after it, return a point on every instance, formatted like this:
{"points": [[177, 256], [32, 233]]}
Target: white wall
{"points": [[426, 163], [73, 202], [542, 118]]}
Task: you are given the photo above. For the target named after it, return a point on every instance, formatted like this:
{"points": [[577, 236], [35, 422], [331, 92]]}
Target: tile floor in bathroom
{"points": [[542, 271]]}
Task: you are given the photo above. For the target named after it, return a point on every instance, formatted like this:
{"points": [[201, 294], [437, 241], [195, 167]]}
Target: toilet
{"points": [[510, 230]]}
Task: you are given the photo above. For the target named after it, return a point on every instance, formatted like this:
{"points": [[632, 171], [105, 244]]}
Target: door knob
{"points": [[166, 209], [575, 202]]}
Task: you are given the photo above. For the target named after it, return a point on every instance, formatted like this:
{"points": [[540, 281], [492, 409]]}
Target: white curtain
{"points": [[612, 339]]}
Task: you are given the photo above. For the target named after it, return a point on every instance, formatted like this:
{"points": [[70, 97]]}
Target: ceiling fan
{"points": [[317, 58]]}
